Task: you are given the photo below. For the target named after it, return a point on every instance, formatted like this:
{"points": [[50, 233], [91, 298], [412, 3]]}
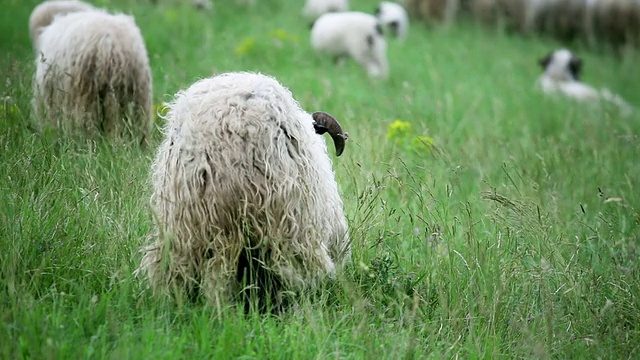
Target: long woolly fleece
{"points": [[93, 74], [43, 15], [241, 172]]}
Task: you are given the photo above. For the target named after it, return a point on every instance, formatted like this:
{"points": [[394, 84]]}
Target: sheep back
{"points": [[316, 8], [354, 34], [241, 169], [93, 74], [44, 13]]}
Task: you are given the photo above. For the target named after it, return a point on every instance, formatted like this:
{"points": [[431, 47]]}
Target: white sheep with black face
{"points": [[313, 9], [352, 34], [244, 194], [561, 75], [393, 17]]}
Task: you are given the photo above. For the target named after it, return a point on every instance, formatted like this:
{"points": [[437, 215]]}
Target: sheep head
{"points": [[564, 61], [323, 122]]}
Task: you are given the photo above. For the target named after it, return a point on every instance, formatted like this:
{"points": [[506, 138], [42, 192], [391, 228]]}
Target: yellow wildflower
{"points": [[398, 130], [247, 45]]}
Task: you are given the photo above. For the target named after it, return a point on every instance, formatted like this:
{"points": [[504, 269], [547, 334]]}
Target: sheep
{"points": [[243, 191], [205, 5], [562, 75], [394, 18], [313, 9], [352, 34], [43, 14], [93, 74], [443, 11], [617, 22]]}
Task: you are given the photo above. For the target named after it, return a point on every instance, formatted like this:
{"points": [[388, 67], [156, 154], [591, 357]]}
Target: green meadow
{"points": [[487, 220]]}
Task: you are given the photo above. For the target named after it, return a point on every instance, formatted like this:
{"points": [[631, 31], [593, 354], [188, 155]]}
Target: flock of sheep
{"points": [[229, 225], [612, 22]]}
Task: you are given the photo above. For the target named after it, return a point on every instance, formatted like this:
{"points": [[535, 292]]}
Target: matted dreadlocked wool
{"points": [[244, 195], [93, 76]]}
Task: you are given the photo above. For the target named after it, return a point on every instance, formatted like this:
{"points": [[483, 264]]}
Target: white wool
{"points": [[558, 79], [43, 14], [93, 74], [354, 34], [313, 9], [394, 18], [241, 168]]}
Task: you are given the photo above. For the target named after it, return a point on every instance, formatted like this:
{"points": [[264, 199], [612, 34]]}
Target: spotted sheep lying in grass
{"points": [[561, 75]]}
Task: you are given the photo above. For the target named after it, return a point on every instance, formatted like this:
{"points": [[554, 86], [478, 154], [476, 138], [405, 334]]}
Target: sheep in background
{"points": [[313, 9], [352, 34], [93, 74], [206, 5], [244, 191], [393, 18], [617, 22], [43, 14], [514, 15], [562, 75], [443, 11]]}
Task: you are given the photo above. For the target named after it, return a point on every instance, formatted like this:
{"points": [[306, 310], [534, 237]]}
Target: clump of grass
{"points": [[486, 220]]}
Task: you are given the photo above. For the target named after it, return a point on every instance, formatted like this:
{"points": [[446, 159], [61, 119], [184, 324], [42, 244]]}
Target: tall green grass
{"points": [[488, 221]]}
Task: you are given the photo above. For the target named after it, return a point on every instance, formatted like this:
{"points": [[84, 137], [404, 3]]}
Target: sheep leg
{"points": [[218, 282], [260, 285]]}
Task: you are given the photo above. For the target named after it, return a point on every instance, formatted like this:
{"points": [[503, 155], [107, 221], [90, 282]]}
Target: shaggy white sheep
{"points": [[562, 75], [352, 34], [93, 74], [313, 9], [394, 18], [244, 191], [43, 14]]}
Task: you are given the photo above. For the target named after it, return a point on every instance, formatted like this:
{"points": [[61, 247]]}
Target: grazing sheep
{"points": [[206, 5], [352, 34], [244, 191], [443, 11], [617, 22], [313, 9], [393, 18], [43, 14], [93, 74], [562, 75]]}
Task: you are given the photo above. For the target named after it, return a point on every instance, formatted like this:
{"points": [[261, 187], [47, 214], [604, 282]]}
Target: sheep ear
{"points": [[376, 12], [544, 62], [323, 122], [395, 26], [575, 67]]}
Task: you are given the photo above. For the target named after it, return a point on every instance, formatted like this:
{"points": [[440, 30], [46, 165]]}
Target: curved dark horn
{"points": [[323, 122]]}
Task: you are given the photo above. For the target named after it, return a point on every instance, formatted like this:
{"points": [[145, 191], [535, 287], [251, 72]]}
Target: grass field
{"points": [[488, 221]]}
